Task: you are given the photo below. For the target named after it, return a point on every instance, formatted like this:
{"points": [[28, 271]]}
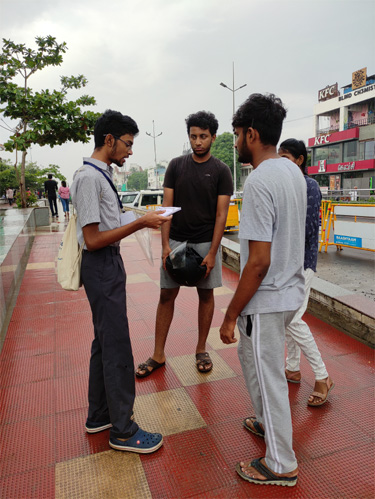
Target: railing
{"points": [[327, 131], [352, 224], [370, 120], [348, 194]]}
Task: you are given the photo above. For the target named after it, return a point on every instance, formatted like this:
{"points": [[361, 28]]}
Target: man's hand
{"points": [[165, 253], [227, 331], [155, 219], [209, 260]]}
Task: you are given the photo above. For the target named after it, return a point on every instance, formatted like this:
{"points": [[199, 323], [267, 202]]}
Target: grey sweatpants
{"points": [[261, 352]]}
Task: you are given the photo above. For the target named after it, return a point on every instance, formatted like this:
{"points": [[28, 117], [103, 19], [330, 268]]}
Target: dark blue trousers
{"points": [[111, 381], [52, 205]]}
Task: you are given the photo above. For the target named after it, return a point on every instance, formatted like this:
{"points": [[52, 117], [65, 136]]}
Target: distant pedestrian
{"points": [[50, 186], [9, 195], [298, 335], [64, 194]]}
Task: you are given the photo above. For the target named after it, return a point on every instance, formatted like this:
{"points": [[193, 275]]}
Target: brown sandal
{"points": [[202, 360], [293, 376], [145, 367], [323, 396]]}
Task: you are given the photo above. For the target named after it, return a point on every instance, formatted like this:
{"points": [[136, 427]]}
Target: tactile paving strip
{"points": [[167, 412], [111, 474], [186, 371]]}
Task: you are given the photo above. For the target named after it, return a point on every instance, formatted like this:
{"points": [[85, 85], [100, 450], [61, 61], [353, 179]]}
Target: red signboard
{"points": [[352, 133], [348, 166]]}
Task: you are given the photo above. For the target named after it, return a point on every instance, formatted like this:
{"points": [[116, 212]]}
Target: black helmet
{"points": [[185, 267]]}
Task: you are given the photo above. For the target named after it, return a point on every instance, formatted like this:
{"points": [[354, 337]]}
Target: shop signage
{"points": [[357, 92], [346, 167], [352, 166], [351, 133], [322, 165], [328, 93], [359, 78], [323, 139]]}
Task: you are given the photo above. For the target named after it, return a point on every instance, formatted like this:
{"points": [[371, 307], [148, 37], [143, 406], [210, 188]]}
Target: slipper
{"points": [[293, 376], [257, 430], [145, 367], [271, 478], [322, 396], [203, 359]]}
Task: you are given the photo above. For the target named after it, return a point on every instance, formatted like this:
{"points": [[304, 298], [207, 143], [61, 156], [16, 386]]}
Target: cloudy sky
{"points": [[164, 59]]}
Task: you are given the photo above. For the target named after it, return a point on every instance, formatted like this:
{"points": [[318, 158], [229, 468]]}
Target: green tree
{"points": [[7, 176], [137, 181], [46, 117], [308, 159], [34, 176], [222, 149]]}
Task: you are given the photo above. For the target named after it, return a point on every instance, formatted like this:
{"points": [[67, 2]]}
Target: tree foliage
{"points": [[43, 117], [34, 176], [137, 181], [222, 149]]}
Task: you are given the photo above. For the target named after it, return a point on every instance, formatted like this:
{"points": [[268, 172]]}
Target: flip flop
{"points": [[203, 359], [322, 396], [258, 429], [145, 365], [271, 478]]}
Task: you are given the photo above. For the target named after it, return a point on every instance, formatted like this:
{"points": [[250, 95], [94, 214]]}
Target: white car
{"points": [[142, 198], [128, 198]]}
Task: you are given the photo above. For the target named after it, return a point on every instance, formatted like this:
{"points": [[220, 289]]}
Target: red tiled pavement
{"points": [[43, 397]]}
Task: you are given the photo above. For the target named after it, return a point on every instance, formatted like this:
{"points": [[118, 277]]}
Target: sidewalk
{"points": [[45, 452]]}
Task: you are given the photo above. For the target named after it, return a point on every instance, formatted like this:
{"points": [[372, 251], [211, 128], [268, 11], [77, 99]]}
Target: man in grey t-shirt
{"points": [[271, 286]]}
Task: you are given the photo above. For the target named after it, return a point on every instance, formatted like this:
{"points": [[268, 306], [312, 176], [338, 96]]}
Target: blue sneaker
{"points": [[142, 442], [96, 427]]}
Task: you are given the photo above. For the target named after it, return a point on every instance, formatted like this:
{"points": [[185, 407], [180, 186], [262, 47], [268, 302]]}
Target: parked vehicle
{"points": [[142, 198], [128, 197]]}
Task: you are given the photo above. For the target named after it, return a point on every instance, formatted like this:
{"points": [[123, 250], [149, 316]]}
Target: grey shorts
{"points": [[212, 281]]}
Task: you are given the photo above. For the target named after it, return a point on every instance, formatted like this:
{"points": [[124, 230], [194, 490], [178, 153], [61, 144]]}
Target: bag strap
{"points": [[109, 180]]}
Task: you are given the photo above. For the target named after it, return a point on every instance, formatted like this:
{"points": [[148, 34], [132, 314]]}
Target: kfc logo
{"points": [[322, 165], [328, 93], [323, 139]]}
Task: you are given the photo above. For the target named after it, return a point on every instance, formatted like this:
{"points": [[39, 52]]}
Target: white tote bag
{"points": [[69, 258]]}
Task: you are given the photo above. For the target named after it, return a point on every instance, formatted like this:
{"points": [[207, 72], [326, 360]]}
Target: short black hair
{"points": [[204, 120], [50, 175], [116, 124], [63, 183], [296, 148], [264, 113]]}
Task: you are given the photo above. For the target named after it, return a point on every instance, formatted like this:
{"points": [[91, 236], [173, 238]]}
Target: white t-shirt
{"points": [[274, 210]]}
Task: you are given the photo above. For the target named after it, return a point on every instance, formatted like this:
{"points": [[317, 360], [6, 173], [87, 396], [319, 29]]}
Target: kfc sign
{"points": [[322, 165], [323, 139], [328, 93], [345, 167]]}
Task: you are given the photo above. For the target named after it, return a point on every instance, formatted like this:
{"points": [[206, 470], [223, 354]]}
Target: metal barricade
{"points": [[353, 225]]}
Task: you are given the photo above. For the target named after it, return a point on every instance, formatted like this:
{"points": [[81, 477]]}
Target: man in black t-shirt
{"points": [[50, 186], [201, 185]]}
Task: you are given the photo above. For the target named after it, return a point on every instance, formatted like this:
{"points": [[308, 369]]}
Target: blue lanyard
{"points": [[109, 180]]}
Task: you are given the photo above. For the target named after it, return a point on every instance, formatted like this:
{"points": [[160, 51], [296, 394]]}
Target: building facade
{"points": [[343, 146], [155, 177]]}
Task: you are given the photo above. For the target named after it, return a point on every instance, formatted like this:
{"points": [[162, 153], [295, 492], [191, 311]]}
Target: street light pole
{"points": [[154, 137], [233, 90]]}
